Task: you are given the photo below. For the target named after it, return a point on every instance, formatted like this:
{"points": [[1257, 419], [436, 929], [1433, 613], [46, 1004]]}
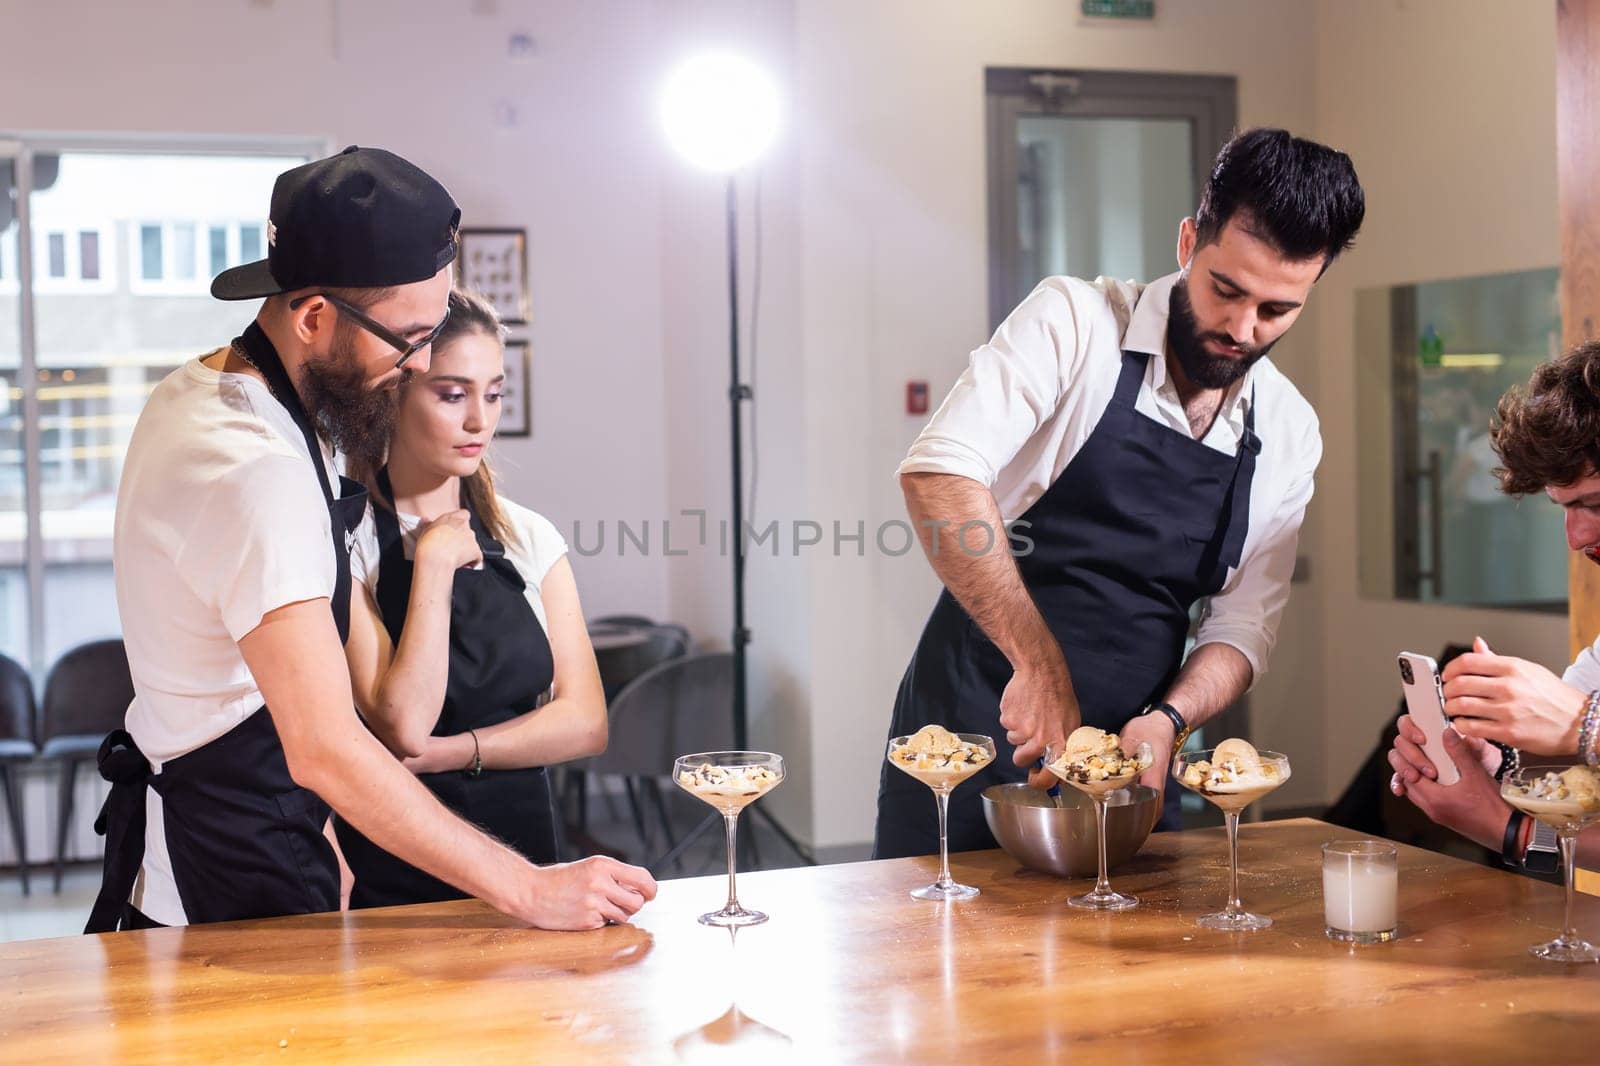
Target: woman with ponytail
{"points": [[467, 649]]}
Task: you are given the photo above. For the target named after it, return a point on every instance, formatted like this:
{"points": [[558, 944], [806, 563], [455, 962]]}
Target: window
{"points": [[89, 255], [249, 242], [217, 240], [69, 256], [105, 226], [150, 268]]}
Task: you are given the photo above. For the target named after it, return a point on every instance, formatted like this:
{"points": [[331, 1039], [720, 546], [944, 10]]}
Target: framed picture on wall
{"points": [[516, 396], [494, 263]]}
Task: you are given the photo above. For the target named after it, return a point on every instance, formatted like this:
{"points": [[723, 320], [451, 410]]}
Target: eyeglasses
{"points": [[406, 348]]}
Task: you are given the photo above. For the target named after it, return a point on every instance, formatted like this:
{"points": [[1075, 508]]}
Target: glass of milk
{"points": [[1360, 880]]}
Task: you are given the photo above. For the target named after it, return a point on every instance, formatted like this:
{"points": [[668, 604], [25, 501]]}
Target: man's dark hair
{"points": [[1548, 433], [1301, 197]]}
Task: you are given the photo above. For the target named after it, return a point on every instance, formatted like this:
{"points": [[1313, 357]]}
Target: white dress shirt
{"points": [[1030, 398]]}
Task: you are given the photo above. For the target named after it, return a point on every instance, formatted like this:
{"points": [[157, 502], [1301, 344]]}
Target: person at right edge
{"points": [[1116, 454], [231, 554]]}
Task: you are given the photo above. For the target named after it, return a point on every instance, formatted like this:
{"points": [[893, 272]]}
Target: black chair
{"points": [[17, 712], [85, 697], [678, 706]]}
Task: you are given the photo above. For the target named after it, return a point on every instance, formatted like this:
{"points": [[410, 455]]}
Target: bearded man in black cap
{"points": [[232, 542]]}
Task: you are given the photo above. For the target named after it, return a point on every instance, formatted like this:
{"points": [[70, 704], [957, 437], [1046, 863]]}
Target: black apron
{"points": [[1144, 521], [500, 667], [245, 841]]}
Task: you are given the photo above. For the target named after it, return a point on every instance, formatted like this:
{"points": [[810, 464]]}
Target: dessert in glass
{"points": [[1232, 775], [1093, 762], [730, 781], [1566, 798], [942, 760]]}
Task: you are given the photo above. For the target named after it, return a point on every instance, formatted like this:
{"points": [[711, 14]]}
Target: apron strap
{"points": [[388, 525], [1228, 549], [122, 823], [263, 356]]}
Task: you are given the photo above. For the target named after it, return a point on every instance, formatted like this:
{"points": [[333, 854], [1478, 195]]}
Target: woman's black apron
{"points": [[245, 841], [500, 667], [1144, 521]]}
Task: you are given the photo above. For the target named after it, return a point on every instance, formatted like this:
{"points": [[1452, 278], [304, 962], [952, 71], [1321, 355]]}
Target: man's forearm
{"points": [[1213, 677], [360, 780], [985, 582]]}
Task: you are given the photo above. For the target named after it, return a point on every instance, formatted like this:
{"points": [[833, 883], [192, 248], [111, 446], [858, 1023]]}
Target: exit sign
{"points": [[1119, 9]]}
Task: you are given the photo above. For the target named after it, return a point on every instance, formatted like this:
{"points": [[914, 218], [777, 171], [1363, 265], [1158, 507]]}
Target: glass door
{"points": [[1090, 172]]}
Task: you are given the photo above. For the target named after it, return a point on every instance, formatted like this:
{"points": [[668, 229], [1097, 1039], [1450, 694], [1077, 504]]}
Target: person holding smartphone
{"points": [[1547, 437], [467, 650]]}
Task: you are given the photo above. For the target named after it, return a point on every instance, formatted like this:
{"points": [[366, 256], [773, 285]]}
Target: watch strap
{"points": [[1180, 728], [1508, 843]]}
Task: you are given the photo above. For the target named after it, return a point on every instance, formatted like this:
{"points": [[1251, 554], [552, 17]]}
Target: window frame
{"points": [[20, 148]]}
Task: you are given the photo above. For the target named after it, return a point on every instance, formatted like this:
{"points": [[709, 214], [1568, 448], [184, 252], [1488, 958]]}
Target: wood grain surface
{"points": [[849, 970], [1578, 152]]}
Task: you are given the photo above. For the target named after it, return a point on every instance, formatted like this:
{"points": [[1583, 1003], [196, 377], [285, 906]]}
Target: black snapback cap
{"points": [[363, 219]]}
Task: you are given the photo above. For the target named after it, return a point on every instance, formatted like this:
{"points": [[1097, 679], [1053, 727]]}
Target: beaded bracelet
{"points": [[1589, 731], [1510, 760]]}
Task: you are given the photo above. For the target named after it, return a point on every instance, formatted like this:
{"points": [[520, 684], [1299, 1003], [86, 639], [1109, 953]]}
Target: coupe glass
{"points": [[1102, 898], [1232, 800], [943, 780], [1567, 818], [729, 781]]}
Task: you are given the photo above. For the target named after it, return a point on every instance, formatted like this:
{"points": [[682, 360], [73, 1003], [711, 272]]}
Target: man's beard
{"points": [[357, 418], [1188, 346]]}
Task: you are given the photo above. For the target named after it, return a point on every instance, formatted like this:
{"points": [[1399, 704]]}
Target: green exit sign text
{"points": [[1119, 9]]}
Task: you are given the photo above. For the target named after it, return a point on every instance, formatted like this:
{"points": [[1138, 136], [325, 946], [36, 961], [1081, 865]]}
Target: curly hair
{"points": [[1548, 432]]}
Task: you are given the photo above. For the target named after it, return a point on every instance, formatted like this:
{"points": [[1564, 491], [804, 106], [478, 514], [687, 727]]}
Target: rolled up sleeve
{"points": [[1246, 613], [1010, 387]]}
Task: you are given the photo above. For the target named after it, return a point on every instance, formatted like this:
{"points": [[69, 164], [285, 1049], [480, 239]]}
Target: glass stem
{"points": [[1103, 885], [942, 798], [1569, 851], [731, 821], [1232, 818]]}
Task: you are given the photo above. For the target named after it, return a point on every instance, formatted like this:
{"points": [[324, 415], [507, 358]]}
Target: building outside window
{"points": [[125, 245]]}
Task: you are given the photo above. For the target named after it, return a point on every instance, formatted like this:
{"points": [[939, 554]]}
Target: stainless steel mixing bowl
{"points": [[1060, 840]]}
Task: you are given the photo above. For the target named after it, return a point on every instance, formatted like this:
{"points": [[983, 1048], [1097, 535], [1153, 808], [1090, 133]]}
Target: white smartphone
{"points": [[1419, 678]]}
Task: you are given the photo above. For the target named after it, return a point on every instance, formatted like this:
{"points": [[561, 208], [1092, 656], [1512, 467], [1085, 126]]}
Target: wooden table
{"points": [[850, 969]]}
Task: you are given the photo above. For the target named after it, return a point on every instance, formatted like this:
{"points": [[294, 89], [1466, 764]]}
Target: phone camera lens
{"points": [[1405, 673]]}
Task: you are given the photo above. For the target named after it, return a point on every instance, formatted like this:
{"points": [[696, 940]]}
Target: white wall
{"points": [[1456, 147]]}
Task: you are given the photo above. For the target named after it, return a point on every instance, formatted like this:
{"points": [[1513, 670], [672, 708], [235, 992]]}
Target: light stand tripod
{"points": [[738, 394]]}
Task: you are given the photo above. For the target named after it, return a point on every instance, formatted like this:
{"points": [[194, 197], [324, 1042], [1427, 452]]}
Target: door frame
{"points": [[1208, 101]]}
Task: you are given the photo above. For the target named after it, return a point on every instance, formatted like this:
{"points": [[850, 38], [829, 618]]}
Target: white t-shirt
{"points": [[220, 519], [1030, 398], [534, 546]]}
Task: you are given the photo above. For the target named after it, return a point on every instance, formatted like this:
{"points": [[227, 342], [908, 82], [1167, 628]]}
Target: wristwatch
{"points": [[1181, 728], [1544, 853]]}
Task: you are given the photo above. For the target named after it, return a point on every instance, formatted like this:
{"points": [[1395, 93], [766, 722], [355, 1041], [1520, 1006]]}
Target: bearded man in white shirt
{"points": [[1148, 457]]}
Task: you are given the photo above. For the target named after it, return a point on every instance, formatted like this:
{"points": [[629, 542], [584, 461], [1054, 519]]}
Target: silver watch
{"points": [[1544, 852]]}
